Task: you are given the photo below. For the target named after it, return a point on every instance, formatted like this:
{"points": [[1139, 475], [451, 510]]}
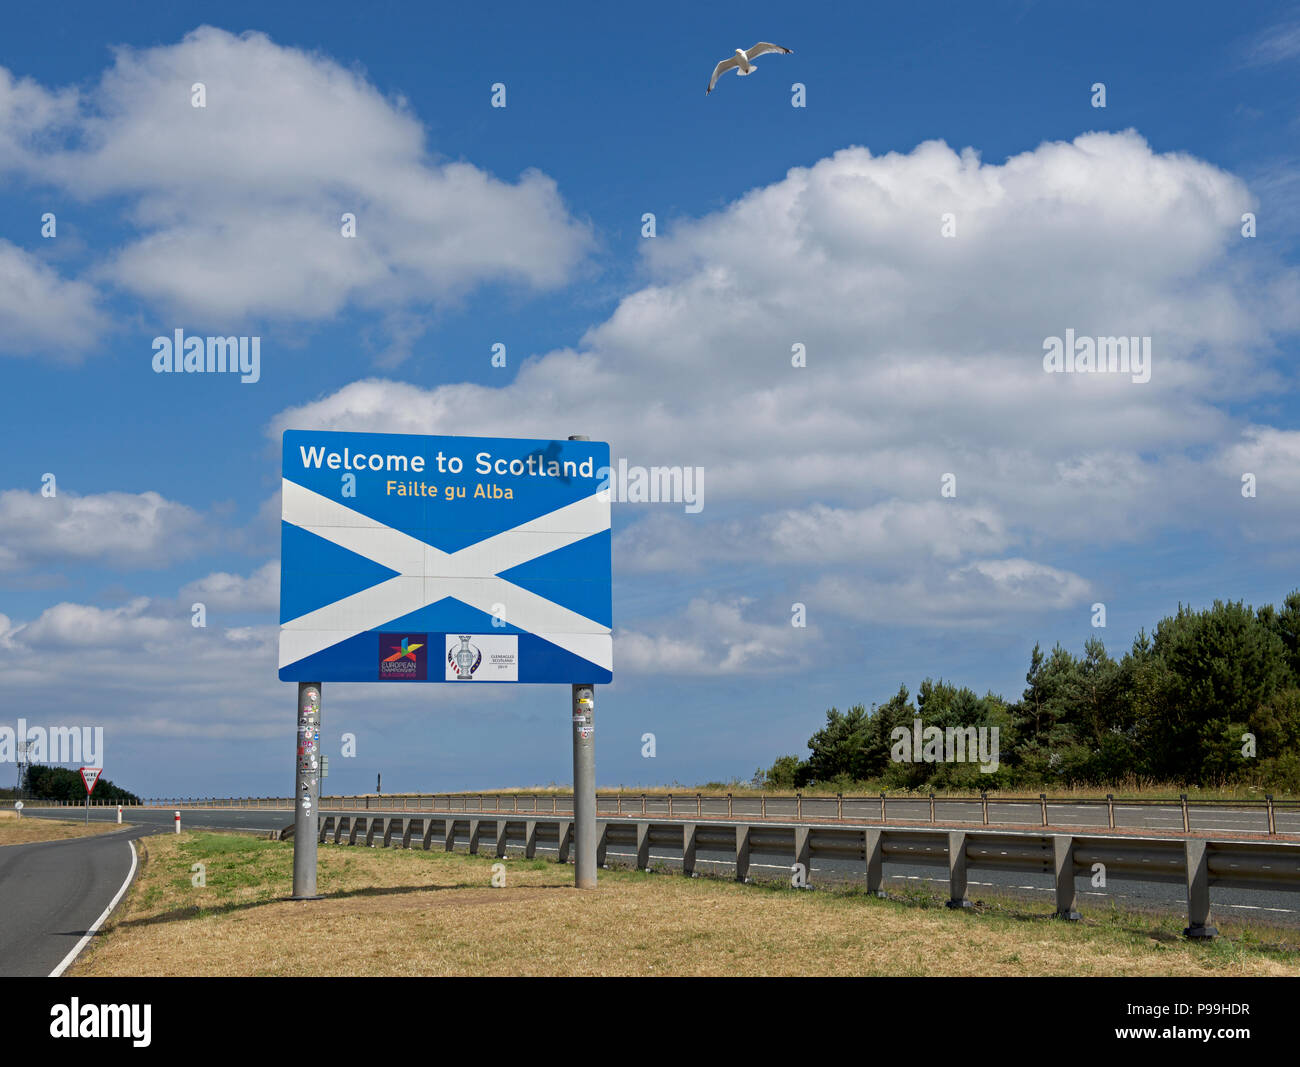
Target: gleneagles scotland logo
{"points": [[465, 660], [403, 657]]}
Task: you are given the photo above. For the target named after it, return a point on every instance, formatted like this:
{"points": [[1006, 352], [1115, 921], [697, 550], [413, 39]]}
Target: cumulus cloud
{"points": [[122, 529], [221, 591], [973, 594], [81, 626], [44, 312], [713, 637], [237, 206], [924, 359]]}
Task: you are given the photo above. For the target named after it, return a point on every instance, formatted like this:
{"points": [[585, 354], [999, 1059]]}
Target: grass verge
{"points": [[28, 831], [438, 913]]}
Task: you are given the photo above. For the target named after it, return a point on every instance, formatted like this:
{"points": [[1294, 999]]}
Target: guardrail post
{"points": [[798, 805], [1182, 797], [839, 805], [742, 853], [729, 811], [1042, 800], [882, 809], [642, 803], [957, 869], [874, 853], [1110, 810], [762, 804], [688, 849], [984, 807], [670, 805], [1272, 826], [530, 839], [1198, 891], [1063, 849], [803, 852], [932, 807], [642, 846], [699, 805], [620, 802]]}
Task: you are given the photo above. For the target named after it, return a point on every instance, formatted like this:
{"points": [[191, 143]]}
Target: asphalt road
{"points": [[1273, 906], [52, 892]]}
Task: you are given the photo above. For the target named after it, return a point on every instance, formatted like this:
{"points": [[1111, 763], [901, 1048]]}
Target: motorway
{"points": [[1273, 906], [53, 892]]}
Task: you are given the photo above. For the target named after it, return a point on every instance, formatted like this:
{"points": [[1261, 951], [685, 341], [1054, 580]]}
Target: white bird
{"points": [[743, 62]]}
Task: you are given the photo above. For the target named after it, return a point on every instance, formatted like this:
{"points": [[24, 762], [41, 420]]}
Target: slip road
{"points": [[53, 894]]}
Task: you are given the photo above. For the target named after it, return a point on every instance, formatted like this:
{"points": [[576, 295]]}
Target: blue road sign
{"points": [[406, 558]]}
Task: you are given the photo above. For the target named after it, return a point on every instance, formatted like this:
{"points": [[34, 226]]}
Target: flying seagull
{"points": [[743, 62]]}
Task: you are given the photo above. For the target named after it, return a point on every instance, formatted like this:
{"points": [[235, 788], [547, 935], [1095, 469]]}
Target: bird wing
{"points": [[720, 70], [763, 47]]}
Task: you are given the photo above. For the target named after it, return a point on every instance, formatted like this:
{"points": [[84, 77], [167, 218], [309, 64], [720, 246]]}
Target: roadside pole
{"points": [[584, 787], [307, 792], [584, 776]]}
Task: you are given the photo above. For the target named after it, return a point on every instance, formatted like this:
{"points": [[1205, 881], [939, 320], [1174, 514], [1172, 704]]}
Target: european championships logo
{"points": [[407, 658]]}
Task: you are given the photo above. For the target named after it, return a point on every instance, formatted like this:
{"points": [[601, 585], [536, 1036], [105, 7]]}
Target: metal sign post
{"points": [[584, 787], [307, 792]]}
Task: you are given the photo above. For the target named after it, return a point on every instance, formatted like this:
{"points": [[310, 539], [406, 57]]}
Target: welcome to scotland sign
{"points": [[406, 558]]}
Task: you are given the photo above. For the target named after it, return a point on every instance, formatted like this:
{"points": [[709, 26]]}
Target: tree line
{"points": [[1209, 698], [59, 783]]}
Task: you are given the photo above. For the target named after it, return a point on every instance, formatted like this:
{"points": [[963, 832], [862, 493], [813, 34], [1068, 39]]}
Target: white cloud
{"points": [[65, 626], [973, 594], [220, 591], [924, 357], [122, 529], [238, 204], [713, 637], [42, 311]]}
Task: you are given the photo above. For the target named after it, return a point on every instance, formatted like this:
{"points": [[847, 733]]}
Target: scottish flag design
{"points": [[458, 559]]}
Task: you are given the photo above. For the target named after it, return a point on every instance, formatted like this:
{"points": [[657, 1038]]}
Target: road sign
{"points": [[406, 558], [89, 776]]}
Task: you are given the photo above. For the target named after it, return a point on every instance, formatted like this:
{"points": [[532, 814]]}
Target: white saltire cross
{"points": [[426, 575]]}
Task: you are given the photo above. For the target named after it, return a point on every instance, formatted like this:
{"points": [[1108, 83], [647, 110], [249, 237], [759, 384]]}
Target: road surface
{"points": [[53, 892]]}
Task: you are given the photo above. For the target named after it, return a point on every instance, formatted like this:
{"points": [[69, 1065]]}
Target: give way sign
{"points": [[89, 776]]}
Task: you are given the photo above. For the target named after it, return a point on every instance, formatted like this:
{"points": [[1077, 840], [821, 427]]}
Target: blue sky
{"points": [[522, 225]]}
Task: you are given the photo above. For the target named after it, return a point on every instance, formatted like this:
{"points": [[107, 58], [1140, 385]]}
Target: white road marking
{"points": [[94, 929]]}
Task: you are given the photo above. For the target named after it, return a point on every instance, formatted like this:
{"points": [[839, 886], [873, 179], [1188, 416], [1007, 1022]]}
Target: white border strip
{"points": [[94, 929]]}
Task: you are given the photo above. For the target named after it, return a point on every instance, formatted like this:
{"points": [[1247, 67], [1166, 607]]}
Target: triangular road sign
{"points": [[89, 776]]}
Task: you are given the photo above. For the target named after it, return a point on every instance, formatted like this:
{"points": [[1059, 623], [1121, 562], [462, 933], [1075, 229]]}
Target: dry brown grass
{"points": [[434, 913], [27, 831]]}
